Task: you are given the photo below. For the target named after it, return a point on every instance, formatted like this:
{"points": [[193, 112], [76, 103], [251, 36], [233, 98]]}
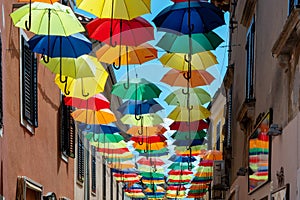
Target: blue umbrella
{"points": [[139, 107], [175, 158], [203, 16], [188, 142], [98, 128], [71, 46]]}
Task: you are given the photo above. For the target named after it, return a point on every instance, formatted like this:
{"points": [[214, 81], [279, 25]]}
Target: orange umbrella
{"points": [[199, 78], [147, 130], [103, 116], [124, 165], [44, 1], [146, 146], [213, 155]]}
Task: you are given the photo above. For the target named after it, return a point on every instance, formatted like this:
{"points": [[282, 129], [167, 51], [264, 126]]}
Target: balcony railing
{"points": [[293, 4]]}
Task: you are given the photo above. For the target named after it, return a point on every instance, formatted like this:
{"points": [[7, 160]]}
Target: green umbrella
{"points": [[138, 89], [152, 175], [180, 166], [198, 96], [47, 19], [104, 138], [114, 160], [186, 135], [160, 151], [180, 43], [150, 119], [194, 148]]}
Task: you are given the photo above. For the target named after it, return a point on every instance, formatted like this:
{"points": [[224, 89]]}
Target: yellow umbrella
{"points": [[86, 87], [200, 61], [123, 165], [45, 1], [153, 181], [136, 55], [117, 9], [103, 116], [148, 130], [149, 119], [182, 114]]}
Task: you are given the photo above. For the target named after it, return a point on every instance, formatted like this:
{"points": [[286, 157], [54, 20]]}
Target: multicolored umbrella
{"points": [[198, 96], [139, 107], [197, 150], [146, 147], [103, 116], [178, 135], [185, 114], [185, 126], [195, 43], [104, 138], [150, 119], [121, 32], [213, 155], [149, 139], [151, 161], [95, 102], [147, 130], [198, 78], [97, 128]]}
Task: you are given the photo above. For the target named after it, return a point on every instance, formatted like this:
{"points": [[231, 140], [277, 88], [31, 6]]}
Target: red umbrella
{"points": [[113, 151], [178, 172], [184, 126], [206, 163], [121, 32], [176, 187], [150, 139], [96, 102], [151, 161]]}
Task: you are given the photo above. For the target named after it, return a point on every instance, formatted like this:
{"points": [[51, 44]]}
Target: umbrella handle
{"points": [[141, 142], [45, 58], [142, 125], [28, 23], [137, 117], [184, 92], [126, 85], [66, 91], [88, 127], [82, 90], [116, 67]]}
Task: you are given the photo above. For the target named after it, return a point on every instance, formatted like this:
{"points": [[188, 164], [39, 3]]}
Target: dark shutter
{"points": [[250, 62], [111, 184], [80, 159], [93, 169], [104, 180], [1, 94], [29, 85], [67, 125]]}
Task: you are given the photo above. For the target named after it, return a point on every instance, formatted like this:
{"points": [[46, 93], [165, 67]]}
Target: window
{"points": [[218, 133], [27, 189], [104, 180], [80, 159], [259, 154], [67, 130], [250, 62], [93, 169], [229, 117], [28, 74]]}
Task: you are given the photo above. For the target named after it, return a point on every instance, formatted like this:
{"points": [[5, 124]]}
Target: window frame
{"points": [[23, 183], [23, 121]]}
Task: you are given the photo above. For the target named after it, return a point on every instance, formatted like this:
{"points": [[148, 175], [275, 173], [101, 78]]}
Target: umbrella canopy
{"points": [[181, 159], [146, 147], [71, 46], [110, 146], [196, 114], [123, 165], [188, 142], [121, 32], [203, 16], [213, 155], [95, 102], [140, 107], [147, 130], [152, 174], [116, 9], [178, 135], [97, 128], [126, 54], [200, 61], [198, 78], [113, 151], [45, 1], [62, 19], [153, 153], [83, 88], [180, 172], [195, 150], [149, 139], [104, 138], [103, 116], [206, 163], [200, 42], [81, 67], [180, 166], [138, 89], [185, 126], [198, 96], [151, 161], [150, 119]]}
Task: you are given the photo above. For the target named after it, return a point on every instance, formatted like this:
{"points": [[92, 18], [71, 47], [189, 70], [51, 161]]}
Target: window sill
{"points": [[64, 158], [78, 182], [246, 113], [26, 125]]}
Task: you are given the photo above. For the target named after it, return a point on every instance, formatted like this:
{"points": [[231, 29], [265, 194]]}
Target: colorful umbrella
{"points": [[138, 89], [71, 46], [121, 32], [45, 1], [146, 146], [198, 78], [151, 161], [115, 9], [97, 128], [199, 61], [178, 135], [95, 102], [110, 146], [185, 126], [193, 151], [150, 119], [180, 172], [103, 116], [184, 113], [180, 166], [83, 88], [149, 139], [152, 174], [81, 67], [139, 107], [203, 17], [104, 138], [147, 130], [213, 155], [198, 96], [153, 153], [189, 142], [47, 19], [181, 43], [181, 159]]}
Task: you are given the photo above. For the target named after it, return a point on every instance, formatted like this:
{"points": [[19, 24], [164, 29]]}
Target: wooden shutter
{"points": [[29, 85], [80, 159], [67, 131], [93, 169]]}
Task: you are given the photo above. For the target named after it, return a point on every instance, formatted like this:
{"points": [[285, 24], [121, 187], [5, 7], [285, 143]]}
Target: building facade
{"points": [[262, 91]]}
